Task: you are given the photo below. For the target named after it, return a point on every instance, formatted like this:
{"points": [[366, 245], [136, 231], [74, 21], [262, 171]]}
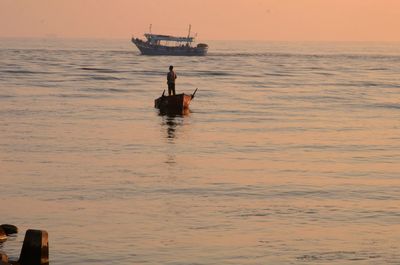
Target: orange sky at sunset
{"points": [[285, 20]]}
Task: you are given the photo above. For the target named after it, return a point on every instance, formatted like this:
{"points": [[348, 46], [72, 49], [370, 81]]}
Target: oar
{"points": [[163, 93], [194, 93]]}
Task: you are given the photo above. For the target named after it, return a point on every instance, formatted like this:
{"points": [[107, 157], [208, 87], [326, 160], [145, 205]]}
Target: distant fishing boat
{"points": [[156, 44], [174, 104]]}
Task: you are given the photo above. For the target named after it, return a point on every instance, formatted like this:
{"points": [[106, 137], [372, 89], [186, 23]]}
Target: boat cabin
{"points": [[165, 40]]}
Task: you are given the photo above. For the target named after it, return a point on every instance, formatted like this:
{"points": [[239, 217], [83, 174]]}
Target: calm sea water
{"points": [[290, 154]]}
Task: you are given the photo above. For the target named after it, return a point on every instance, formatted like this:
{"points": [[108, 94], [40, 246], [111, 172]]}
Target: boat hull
{"points": [[173, 104], [150, 49]]}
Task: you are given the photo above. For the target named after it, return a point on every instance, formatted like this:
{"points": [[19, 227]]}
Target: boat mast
{"points": [[190, 27], [150, 28]]}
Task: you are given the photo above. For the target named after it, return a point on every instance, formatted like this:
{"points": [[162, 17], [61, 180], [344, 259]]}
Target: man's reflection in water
{"points": [[171, 126], [172, 122]]}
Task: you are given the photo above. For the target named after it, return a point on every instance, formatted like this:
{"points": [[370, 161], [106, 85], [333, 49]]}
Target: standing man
{"points": [[171, 76]]}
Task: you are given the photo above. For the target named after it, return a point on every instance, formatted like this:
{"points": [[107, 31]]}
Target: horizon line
{"points": [[232, 40]]}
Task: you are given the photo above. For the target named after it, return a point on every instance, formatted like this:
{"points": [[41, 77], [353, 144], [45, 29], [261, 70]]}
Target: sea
{"points": [[290, 153]]}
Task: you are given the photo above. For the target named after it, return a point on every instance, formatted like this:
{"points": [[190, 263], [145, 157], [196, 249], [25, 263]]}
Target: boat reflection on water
{"points": [[172, 120], [173, 110]]}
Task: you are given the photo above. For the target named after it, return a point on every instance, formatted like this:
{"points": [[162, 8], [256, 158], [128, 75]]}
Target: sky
{"points": [[265, 20]]}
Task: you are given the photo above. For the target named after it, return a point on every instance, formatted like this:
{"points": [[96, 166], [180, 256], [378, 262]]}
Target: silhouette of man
{"points": [[171, 76]]}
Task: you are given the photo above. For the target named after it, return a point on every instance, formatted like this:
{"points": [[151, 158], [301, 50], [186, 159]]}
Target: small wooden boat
{"points": [[175, 103]]}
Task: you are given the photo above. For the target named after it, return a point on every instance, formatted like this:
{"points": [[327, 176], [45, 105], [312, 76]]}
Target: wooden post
{"points": [[35, 249]]}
